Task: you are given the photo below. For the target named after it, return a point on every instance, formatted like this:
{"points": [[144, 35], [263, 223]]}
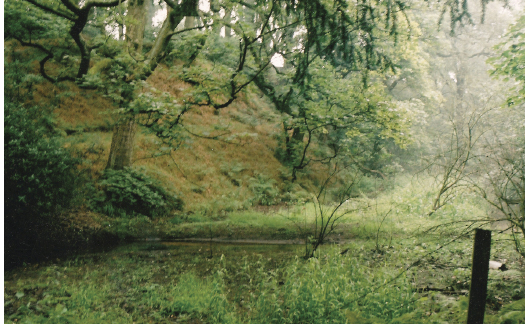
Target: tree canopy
{"points": [[510, 62], [338, 56]]}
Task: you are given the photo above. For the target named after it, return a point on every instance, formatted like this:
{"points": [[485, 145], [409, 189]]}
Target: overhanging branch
{"points": [[51, 10]]}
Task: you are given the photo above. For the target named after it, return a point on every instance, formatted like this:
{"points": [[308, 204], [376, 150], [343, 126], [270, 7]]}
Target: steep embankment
{"points": [[211, 174]]}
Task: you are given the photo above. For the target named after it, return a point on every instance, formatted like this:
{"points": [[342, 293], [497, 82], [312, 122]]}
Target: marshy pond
{"points": [[211, 282]]}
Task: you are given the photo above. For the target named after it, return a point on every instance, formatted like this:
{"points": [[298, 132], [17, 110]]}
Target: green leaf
{"points": [[61, 309]]}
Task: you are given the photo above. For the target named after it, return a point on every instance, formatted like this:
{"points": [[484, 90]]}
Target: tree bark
{"points": [[122, 143], [137, 14], [121, 152]]}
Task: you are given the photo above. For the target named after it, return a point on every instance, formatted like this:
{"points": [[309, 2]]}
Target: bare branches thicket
{"points": [[488, 160], [327, 215], [502, 184], [453, 167]]}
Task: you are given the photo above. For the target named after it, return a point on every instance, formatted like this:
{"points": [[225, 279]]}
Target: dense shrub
{"points": [[131, 191], [39, 174], [40, 177]]}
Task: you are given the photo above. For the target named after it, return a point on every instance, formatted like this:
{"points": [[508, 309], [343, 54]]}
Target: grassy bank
{"points": [[396, 213]]}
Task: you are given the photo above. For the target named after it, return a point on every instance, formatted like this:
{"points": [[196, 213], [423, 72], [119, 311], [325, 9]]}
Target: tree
{"points": [[503, 183], [327, 216], [331, 95], [339, 116], [453, 164], [510, 61], [354, 41], [345, 35], [456, 97]]}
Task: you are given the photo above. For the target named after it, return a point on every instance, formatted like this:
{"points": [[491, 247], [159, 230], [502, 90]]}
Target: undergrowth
{"points": [[163, 283], [131, 191]]}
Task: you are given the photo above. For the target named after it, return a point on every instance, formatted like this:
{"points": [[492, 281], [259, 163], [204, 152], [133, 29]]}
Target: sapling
{"points": [[328, 216]]}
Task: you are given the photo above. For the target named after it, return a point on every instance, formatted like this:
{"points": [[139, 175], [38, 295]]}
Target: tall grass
{"points": [[329, 289], [192, 295]]}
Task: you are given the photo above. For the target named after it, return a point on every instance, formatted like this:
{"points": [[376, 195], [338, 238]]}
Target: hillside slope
{"points": [[212, 175]]}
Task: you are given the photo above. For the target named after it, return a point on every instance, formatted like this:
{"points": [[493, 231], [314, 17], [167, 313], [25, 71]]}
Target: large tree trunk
{"points": [[137, 14], [121, 152], [122, 143]]}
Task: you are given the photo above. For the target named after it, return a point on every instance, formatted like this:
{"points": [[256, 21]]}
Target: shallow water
{"points": [[193, 246]]}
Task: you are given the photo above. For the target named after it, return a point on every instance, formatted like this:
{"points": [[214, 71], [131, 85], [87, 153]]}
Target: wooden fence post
{"points": [[480, 275]]}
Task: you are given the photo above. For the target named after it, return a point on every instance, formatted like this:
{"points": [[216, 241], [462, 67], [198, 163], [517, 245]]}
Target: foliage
{"points": [[19, 84], [322, 291], [39, 173], [293, 194], [218, 50], [128, 226], [233, 172], [219, 69], [28, 24], [331, 92], [451, 163], [40, 179], [132, 191], [510, 61], [339, 113], [264, 190], [183, 296], [268, 281]]}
